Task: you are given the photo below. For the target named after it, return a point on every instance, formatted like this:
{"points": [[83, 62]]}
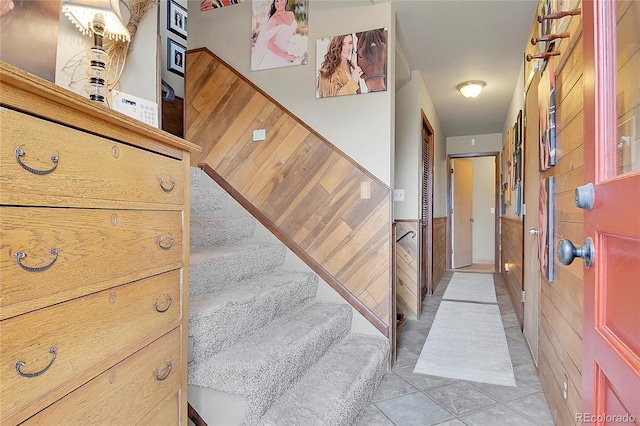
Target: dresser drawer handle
{"points": [[169, 302], [21, 255], [166, 188], [163, 378], [21, 364], [167, 246], [20, 152]]}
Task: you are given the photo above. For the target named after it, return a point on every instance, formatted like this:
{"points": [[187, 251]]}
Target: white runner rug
{"points": [[471, 287], [467, 341]]}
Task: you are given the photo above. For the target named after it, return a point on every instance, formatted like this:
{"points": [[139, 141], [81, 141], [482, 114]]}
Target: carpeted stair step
{"points": [[218, 267], [208, 202], [264, 365], [219, 319], [337, 387], [216, 231]]}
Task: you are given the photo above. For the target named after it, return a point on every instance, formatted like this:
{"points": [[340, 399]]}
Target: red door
{"points": [[611, 337]]}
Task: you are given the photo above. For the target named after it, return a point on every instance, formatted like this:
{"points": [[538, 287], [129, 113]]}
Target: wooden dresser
{"points": [[94, 256]]}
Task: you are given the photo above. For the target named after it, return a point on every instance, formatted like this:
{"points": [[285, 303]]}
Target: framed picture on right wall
{"points": [[545, 228]]}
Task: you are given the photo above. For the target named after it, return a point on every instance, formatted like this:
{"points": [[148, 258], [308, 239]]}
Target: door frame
{"points": [[425, 245], [496, 186]]}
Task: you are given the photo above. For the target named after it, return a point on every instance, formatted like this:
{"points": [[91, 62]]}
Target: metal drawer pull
{"points": [[21, 364], [20, 152], [21, 255], [165, 247], [169, 368], [167, 189], [169, 302]]}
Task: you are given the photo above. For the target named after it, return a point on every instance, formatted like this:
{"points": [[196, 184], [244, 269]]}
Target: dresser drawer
{"points": [[84, 332], [95, 249], [127, 392], [85, 168], [168, 412]]}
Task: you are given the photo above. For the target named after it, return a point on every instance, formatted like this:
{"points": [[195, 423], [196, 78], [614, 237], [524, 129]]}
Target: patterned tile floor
{"points": [[405, 398]]}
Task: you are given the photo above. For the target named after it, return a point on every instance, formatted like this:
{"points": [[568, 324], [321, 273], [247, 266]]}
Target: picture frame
{"points": [[177, 19], [175, 57], [368, 52], [545, 228], [520, 130], [547, 118], [294, 47]]}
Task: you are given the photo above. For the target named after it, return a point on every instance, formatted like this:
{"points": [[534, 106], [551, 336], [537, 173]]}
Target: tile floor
{"points": [[405, 398]]}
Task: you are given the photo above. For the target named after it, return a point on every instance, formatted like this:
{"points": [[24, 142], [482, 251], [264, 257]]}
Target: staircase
{"points": [[261, 341]]}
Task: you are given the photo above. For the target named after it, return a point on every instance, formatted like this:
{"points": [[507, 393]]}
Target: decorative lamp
{"points": [[100, 19], [471, 89]]}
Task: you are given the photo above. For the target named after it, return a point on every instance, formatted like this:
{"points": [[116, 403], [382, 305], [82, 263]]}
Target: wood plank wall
{"points": [[439, 249], [512, 252], [408, 298], [561, 301], [296, 183]]}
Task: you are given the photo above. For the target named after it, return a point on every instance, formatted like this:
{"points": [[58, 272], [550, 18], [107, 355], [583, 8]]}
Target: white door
{"points": [[531, 199], [462, 216]]}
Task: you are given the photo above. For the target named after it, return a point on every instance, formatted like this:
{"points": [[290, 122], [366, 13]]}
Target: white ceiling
{"points": [[451, 41]]}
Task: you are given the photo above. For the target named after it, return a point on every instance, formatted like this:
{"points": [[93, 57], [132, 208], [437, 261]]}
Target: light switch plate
{"points": [[259, 135]]}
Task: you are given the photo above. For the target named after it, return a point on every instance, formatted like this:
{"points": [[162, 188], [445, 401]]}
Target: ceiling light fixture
{"points": [[471, 89]]}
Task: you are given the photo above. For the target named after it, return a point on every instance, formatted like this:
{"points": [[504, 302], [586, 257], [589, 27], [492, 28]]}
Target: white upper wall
{"points": [[491, 142], [412, 98], [359, 125], [517, 104]]}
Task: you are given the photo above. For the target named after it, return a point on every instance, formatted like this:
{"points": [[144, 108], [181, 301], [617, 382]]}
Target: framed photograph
{"points": [[520, 130], [360, 56], [175, 57], [547, 117], [545, 228], [177, 19], [279, 41], [215, 4]]}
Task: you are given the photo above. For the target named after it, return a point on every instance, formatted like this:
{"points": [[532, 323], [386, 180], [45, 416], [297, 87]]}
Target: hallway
{"points": [[405, 398]]}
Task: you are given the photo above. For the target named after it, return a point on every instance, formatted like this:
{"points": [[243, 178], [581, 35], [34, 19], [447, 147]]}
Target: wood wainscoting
{"points": [[439, 249], [561, 301], [329, 210], [408, 299], [512, 252]]}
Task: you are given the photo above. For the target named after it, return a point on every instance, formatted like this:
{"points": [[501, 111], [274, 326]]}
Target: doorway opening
{"points": [[473, 212]]}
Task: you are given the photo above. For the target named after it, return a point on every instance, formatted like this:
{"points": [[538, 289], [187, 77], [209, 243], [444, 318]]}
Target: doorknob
{"points": [[567, 252], [533, 231]]}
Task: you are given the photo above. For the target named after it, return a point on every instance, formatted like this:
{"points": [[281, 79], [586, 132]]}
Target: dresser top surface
{"points": [[55, 103]]}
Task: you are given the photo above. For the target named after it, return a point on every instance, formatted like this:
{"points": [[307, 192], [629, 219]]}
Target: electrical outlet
{"points": [[565, 387], [398, 195]]}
